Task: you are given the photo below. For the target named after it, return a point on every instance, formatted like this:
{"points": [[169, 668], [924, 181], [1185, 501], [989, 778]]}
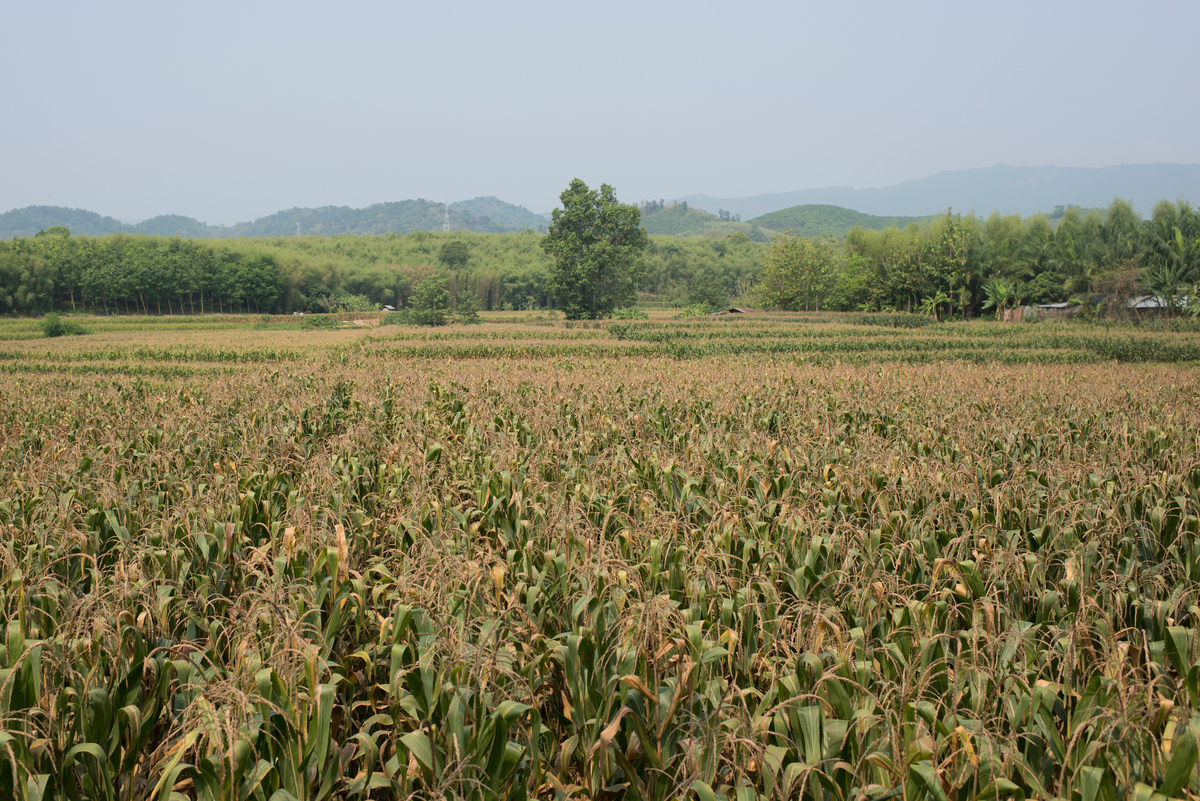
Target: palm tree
{"points": [[1175, 270], [1002, 295], [929, 306]]}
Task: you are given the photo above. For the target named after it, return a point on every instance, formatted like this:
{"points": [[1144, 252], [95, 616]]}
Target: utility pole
{"points": [[446, 221]]}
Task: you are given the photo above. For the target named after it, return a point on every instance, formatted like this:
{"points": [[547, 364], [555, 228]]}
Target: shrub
{"points": [[55, 326], [321, 321], [467, 310], [430, 302], [629, 313], [695, 310]]}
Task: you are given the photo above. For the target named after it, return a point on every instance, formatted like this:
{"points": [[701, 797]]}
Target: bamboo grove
{"points": [[258, 563], [956, 266]]}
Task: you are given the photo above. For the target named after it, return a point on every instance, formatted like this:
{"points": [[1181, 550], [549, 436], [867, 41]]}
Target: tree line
{"points": [[954, 265], [962, 266]]}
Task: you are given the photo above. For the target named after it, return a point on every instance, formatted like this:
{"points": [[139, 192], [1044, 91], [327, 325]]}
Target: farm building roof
{"points": [[1155, 302]]}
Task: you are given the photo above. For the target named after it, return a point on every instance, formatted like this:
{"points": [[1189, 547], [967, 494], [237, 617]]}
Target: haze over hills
{"points": [[680, 219], [1009, 190], [483, 214], [826, 220]]}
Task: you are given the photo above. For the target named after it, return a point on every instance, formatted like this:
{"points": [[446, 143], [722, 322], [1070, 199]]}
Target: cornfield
{"points": [[796, 559]]}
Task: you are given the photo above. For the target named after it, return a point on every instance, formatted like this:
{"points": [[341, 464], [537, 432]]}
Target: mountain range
{"points": [[1009, 190], [483, 214]]}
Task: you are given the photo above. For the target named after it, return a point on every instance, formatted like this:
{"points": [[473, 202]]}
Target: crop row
{"points": [[739, 579]]}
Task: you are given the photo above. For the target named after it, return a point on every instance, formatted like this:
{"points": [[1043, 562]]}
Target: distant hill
{"points": [[482, 215], [678, 219], [815, 220], [172, 225], [1009, 190], [31, 219], [515, 218]]}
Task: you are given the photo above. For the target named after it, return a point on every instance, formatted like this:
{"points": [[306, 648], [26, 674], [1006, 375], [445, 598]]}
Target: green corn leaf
{"points": [[1177, 647], [282, 795], [419, 746], [1090, 780], [325, 695], [1179, 770], [99, 758], [924, 775], [1001, 788], [810, 731], [970, 575], [251, 784], [37, 787]]}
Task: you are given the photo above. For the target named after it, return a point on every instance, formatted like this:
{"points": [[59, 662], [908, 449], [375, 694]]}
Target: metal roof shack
{"points": [[1142, 302], [732, 310], [1058, 311], [1144, 307]]}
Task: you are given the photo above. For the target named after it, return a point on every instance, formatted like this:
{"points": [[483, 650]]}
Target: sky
{"points": [[228, 111]]}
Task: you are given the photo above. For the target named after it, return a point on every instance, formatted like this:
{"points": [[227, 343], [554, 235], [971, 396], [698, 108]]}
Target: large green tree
{"points": [[795, 270], [596, 244], [454, 255]]}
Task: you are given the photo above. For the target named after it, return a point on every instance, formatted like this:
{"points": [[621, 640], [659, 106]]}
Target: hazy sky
{"points": [[228, 111]]}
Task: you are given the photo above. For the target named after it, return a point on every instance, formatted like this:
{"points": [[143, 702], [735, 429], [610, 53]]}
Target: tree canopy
{"points": [[794, 271], [596, 244], [945, 267]]}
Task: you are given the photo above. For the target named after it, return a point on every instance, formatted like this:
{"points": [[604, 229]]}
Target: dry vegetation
{"points": [[744, 560]]}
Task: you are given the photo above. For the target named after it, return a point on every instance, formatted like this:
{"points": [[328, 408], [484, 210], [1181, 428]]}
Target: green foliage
{"points": [[454, 255], [931, 305], [695, 310], [26, 282], [596, 244], [323, 300], [711, 270], [55, 326], [466, 308], [321, 322], [886, 319], [795, 272], [677, 219], [1002, 295], [629, 313], [1115, 255], [430, 302]]}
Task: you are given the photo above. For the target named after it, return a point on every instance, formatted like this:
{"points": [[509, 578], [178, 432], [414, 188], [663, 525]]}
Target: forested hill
{"points": [[676, 219], [31, 219], [402, 217], [819, 219], [481, 215]]}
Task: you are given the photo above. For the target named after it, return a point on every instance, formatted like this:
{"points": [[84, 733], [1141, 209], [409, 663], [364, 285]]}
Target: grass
{"points": [[781, 556]]}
